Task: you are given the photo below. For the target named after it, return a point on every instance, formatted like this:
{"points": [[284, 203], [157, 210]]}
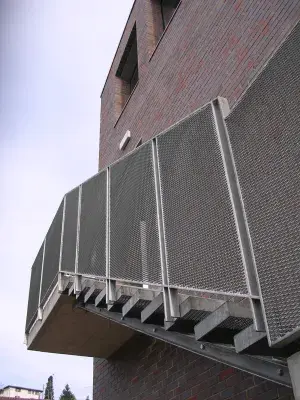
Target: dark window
{"points": [[167, 10], [128, 71], [162, 12], [134, 78]]}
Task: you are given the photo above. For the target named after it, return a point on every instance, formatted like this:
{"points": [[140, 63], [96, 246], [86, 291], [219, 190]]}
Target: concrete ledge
{"points": [[66, 329]]}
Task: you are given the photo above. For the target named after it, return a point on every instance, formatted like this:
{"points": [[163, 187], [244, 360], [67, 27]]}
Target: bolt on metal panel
{"points": [[92, 237], [201, 238], [264, 131], [52, 254], [34, 289], [134, 241], [69, 232]]}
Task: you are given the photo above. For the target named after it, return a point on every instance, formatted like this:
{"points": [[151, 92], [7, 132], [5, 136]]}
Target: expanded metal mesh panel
{"points": [[134, 241], [201, 238], [70, 232], [92, 239], [34, 289], [52, 251], [264, 131]]}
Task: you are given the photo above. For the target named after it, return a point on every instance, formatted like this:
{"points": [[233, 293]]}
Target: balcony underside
{"points": [[82, 324], [66, 329]]}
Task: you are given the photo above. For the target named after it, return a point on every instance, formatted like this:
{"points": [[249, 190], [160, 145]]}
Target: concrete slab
{"points": [[66, 329]]}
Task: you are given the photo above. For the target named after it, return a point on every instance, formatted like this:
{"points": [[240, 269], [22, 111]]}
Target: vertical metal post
{"points": [[170, 295], [294, 369], [60, 274], [110, 284], [145, 270], [62, 234], [40, 309], [219, 108], [77, 282]]}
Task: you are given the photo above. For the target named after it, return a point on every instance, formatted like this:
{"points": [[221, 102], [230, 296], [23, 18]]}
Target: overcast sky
{"points": [[54, 59]]}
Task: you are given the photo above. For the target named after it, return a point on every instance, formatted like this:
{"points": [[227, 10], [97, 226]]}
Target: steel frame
{"points": [[170, 295], [40, 310], [254, 365], [239, 214], [77, 275]]}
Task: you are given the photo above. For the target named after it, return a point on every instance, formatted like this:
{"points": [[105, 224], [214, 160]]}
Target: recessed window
{"points": [[167, 10], [18, 390], [127, 72], [162, 13]]}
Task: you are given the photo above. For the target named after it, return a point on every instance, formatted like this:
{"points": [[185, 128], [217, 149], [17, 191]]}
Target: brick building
{"points": [[136, 303], [207, 49]]}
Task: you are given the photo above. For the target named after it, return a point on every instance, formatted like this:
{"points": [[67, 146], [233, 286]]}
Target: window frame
{"points": [[165, 30], [127, 74], [163, 13]]}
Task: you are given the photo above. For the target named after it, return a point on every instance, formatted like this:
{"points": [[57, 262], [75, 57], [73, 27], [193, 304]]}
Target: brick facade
{"points": [[146, 369], [210, 48]]}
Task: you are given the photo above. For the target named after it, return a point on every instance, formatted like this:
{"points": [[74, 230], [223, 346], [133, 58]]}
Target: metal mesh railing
{"points": [[264, 133], [51, 256], [199, 231], [134, 241], [68, 252], [201, 238], [34, 289], [92, 239]]}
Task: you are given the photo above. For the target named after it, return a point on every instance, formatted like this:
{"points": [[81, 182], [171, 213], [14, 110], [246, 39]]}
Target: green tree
{"points": [[67, 394], [49, 391]]}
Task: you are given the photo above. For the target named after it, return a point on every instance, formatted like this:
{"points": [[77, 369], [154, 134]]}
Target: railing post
{"points": [[40, 309], [171, 305], [220, 110], [110, 284], [294, 369], [77, 282], [60, 274]]}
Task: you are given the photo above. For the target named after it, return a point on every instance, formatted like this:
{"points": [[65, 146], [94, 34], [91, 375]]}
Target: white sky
{"points": [[54, 58]]}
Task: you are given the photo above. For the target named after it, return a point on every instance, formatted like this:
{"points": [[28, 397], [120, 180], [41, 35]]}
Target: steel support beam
{"points": [[220, 110], [154, 306], [294, 368], [257, 366], [140, 297], [171, 302], [219, 316]]}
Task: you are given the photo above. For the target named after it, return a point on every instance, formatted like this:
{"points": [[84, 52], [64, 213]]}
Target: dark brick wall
{"points": [[210, 48], [145, 369]]}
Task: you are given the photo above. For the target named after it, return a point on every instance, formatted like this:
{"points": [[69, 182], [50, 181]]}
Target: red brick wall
{"points": [[145, 369], [210, 48]]}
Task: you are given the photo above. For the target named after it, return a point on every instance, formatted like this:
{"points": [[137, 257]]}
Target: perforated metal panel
{"points": [[92, 242], [34, 289], [51, 257], [201, 238], [70, 231], [134, 242], [264, 131]]}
